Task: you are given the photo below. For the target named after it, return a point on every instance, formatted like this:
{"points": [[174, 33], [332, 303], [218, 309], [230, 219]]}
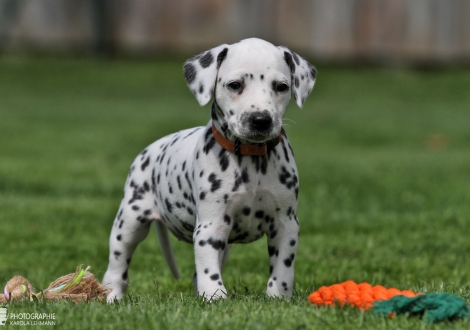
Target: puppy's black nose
{"points": [[261, 121]]}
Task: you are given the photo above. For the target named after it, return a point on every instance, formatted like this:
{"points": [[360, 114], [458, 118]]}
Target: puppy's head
{"points": [[252, 81]]}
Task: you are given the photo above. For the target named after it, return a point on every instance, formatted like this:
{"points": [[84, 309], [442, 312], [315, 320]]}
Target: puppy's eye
{"points": [[281, 87], [235, 85]]}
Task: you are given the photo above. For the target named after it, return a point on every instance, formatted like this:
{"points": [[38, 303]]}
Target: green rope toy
{"points": [[436, 307]]}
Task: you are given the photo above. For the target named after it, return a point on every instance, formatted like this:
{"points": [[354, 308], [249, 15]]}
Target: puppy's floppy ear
{"points": [[303, 75], [201, 71]]}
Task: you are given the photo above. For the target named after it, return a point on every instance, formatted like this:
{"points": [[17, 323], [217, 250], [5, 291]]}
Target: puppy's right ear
{"points": [[201, 71]]}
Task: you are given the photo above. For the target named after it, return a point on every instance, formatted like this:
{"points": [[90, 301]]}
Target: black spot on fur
{"points": [[223, 159], [221, 57], [239, 179], [255, 161], [202, 195], [227, 219], [292, 242], [135, 207], [201, 88], [206, 60], [287, 179], [117, 254], [169, 206], [246, 211], [288, 261], [206, 271], [216, 244], [259, 214], [289, 211], [179, 182], [264, 165], [214, 113], [138, 193], [286, 155], [119, 237], [215, 183], [189, 72], [124, 276], [142, 219], [289, 61], [145, 164], [186, 176], [296, 58], [208, 146], [271, 250], [174, 141], [215, 277], [313, 71]]}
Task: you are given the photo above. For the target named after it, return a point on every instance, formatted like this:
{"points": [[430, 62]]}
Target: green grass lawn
{"points": [[384, 162]]}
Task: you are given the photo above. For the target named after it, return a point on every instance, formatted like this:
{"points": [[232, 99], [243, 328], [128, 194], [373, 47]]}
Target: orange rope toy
{"points": [[360, 295]]}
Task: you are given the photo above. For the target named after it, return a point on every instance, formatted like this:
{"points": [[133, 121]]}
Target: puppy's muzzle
{"points": [[261, 122]]}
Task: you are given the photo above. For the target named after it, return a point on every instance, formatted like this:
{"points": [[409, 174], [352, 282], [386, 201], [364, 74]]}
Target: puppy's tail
{"points": [[165, 245]]}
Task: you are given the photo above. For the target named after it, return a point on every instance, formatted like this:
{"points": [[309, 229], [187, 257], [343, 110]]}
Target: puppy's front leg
{"points": [[210, 245], [283, 240]]}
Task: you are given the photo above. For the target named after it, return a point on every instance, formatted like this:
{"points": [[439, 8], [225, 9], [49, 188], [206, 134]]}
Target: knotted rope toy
{"points": [[79, 286], [436, 307]]}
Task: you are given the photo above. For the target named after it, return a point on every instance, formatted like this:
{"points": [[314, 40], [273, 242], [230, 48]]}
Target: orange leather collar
{"points": [[257, 149]]}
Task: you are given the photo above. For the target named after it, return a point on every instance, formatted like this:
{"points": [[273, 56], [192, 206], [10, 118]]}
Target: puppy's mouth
{"points": [[257, 137], [258, 127]]}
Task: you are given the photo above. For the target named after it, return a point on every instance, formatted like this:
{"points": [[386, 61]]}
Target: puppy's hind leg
{"points": [[131, 226]]}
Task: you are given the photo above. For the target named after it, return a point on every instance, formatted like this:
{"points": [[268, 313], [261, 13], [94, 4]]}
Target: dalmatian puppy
{"points": [[232, 181]]}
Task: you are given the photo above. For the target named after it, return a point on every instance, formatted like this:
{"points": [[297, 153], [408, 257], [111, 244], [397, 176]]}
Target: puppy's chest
{"points": [[252, 216], [249, 195]]}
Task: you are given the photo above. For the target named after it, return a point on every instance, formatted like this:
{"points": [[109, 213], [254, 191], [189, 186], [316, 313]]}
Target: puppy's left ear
{"points": [[201, 71], [303, 75]]}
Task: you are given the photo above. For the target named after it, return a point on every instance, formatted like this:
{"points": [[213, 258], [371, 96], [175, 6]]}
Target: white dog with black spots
{"points": [[232, 181]]}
